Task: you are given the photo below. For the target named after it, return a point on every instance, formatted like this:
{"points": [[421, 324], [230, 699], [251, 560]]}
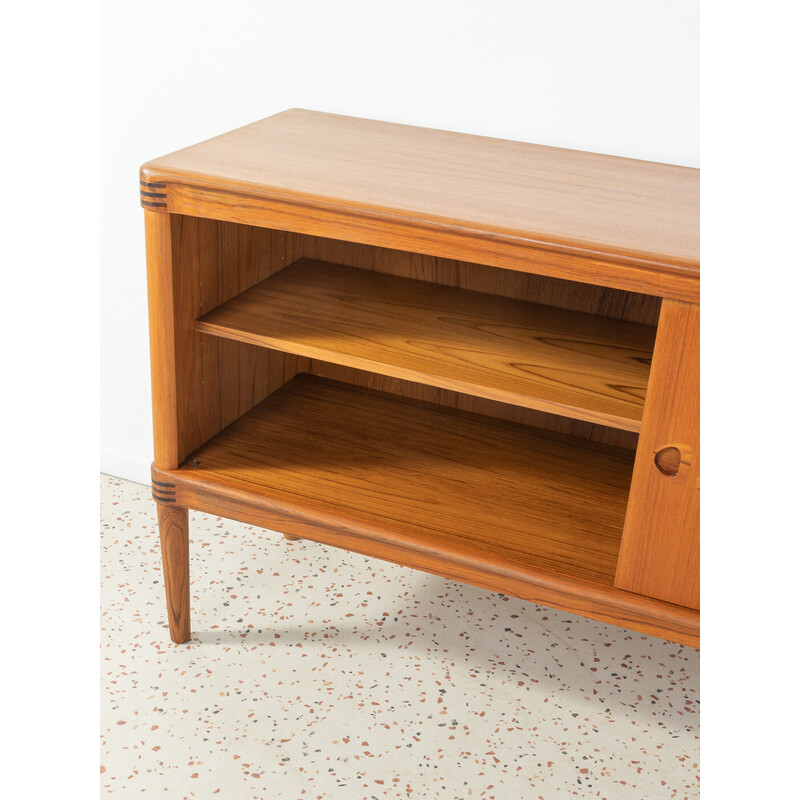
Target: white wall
{"points": [[618, 76]]}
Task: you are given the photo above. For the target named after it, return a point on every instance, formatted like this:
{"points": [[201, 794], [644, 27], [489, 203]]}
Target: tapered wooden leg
{"points": [[290, 537], [173, 526]]}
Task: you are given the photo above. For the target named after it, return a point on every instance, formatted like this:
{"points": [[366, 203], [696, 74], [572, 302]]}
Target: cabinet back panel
{"points": [[477, 405], [614, 303]]}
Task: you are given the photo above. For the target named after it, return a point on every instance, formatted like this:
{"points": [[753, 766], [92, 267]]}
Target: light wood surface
{"points": [[592, 599], [570, 295], [546, 290], [600, 219], [660, 553], [579, 365], [447, 480], [475, 405]]}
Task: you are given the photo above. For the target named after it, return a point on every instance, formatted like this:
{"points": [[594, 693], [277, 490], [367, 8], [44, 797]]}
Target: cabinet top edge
{"points": [[571, 201]]}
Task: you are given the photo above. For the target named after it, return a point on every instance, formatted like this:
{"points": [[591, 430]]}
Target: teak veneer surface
{"points": [[630, 224], [563, 362], [447, 481], [660, 551]]}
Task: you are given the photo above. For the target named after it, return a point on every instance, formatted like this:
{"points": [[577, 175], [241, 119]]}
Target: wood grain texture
{"points": [[216, 381], [163, 344], [250, 248], [497, 505], [475, 405], [598, 219], [173, 526], [459, 244], [577, 365], [444, 479], [660, 552], [571, 295], [599, 300], [208, 382], [595, 600]]}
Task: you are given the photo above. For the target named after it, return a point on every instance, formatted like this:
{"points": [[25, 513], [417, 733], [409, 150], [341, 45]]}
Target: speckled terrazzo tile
{"points": [[317, 673]]}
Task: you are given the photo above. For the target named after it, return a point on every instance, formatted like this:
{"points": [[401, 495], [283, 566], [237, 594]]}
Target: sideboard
{"points": [[470, 356]]}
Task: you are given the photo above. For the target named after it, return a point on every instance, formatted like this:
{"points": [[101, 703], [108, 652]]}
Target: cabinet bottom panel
{"points": [[510, 508]]}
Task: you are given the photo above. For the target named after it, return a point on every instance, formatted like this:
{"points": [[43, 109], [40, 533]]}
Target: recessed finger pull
{"points": [[668, 461]]}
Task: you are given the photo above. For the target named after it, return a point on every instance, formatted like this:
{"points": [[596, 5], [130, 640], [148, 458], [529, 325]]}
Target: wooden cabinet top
{"points": [[635, 224]]}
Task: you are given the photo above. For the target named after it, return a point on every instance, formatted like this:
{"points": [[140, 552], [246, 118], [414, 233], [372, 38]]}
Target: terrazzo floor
{"points": [[317, 673]]}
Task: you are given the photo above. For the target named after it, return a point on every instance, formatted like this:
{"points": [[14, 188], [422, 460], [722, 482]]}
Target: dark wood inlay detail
{"points": [[163, 492], [153, 195]]}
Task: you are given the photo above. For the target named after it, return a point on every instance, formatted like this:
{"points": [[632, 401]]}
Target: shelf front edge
{"points": [[429, 379], [595, 600], [680, 281]]}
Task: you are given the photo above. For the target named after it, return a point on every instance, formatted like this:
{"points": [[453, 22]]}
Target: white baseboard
{"points": [[125, 465]]}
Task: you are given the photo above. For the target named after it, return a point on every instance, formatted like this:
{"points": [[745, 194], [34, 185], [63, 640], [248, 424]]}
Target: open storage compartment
{"points": [[494, 426], [458, 354], [441, 481]]}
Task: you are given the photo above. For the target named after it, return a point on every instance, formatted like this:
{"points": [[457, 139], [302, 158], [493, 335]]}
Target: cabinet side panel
{"points": [[219, 380], [163, 340], [660, 552]]}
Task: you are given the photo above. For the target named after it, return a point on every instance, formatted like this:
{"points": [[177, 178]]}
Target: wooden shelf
{"points": [[563, 362], [501, 495]]}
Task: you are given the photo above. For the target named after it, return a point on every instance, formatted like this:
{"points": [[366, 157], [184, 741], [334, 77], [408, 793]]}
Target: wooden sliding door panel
{"points": [[660, 551]]}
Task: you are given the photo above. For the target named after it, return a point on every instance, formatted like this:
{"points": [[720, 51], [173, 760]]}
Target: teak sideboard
{"points": [[474, 357]]}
